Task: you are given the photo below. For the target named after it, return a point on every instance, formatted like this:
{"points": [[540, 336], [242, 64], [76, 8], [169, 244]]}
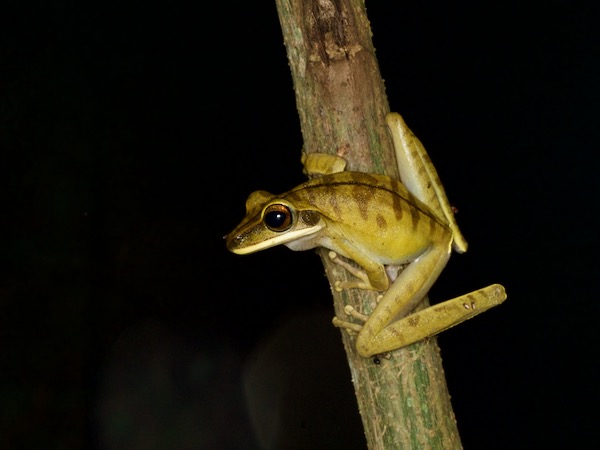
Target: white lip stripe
{"points": [[279, 239]]}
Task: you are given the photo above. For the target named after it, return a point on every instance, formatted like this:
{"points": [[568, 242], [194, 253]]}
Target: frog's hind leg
{"points": [[437, 318], [418, 174]]}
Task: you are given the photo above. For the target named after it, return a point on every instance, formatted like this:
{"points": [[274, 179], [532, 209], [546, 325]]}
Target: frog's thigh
{"points": [[420, 176], [401, 298]]}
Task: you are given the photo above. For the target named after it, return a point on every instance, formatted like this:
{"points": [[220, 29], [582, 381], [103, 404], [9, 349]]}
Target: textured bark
{"points": [[403, 400]]}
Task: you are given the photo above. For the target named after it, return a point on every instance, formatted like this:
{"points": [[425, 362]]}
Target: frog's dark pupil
{"points": [[278, 217], [275, 219]]}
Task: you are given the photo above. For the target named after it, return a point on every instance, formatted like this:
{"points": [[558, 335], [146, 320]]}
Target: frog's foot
{"points": [[350, 326], [361, 283]]}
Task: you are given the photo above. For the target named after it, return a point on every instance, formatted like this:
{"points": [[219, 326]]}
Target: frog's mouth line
{"points": [[293, 239]]}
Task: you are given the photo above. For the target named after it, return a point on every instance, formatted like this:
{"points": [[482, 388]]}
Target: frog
{"points": [[393, 236]]}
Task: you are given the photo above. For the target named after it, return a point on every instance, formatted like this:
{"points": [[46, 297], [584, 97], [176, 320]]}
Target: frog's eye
{"points": [[277, 217]]}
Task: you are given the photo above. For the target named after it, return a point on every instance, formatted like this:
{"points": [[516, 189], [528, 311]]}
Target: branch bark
{"points": [[403, 401]]}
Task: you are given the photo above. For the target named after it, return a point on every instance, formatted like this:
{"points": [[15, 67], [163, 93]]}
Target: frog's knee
{"points": [[363, 345]]}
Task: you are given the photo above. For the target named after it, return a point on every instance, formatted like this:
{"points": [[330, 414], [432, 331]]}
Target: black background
{"points": [[131, 133]]}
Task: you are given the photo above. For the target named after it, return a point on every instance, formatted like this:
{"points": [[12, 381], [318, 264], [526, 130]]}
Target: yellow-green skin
{"points": [[377, 222]]}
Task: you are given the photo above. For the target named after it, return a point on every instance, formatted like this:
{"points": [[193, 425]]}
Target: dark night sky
{"points": [[131, 134]]}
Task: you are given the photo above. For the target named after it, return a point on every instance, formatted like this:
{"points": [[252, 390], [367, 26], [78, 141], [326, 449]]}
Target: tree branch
{"points": [[340, 96]]}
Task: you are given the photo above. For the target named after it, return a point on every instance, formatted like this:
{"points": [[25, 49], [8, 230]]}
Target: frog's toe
{"points": [[348, 326], [348, 309]]}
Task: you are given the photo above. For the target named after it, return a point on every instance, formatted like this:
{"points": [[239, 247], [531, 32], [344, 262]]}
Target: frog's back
{"points": [[360, 190], [391, 224]]}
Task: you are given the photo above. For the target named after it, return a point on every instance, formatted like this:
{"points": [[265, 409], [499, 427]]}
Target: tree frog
{"points": [[383, 225]]}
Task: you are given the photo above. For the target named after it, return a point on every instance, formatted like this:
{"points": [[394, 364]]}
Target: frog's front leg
{"points": [[375, 279], [319, 164]]}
